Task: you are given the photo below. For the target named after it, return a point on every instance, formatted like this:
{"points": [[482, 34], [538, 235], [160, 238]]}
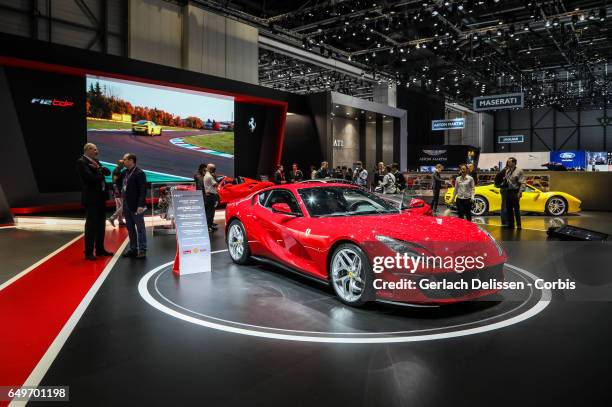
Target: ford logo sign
{"points": [[567, 155]]}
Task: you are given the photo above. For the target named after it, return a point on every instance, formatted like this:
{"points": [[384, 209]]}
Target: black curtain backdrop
{"points": [[422, 108], [51, 113]]}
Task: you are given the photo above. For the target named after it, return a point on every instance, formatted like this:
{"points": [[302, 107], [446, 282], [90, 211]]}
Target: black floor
{"points": [[124, 352]]}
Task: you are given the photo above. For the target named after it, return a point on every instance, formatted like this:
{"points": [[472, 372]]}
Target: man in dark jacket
{"points": [[296, 174], [93, 198], [279, 175], [323, 172], [400, 181], [436, 185], [133, 191]]}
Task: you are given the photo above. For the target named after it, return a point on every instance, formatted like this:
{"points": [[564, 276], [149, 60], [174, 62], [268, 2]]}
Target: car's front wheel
{"points": [[556, 206], [351, 275], [480, 206], [237, 243]]}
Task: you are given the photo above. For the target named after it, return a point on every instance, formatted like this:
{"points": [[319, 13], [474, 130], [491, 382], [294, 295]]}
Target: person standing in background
{"points": [[360, 175], [211, 196], [92, 175], [379, 173], [515, 179], [388, 182], [133, 191], [349, 174], [500, 182], [116, 176], [313, 172], [279, 175], [473, 172], [464, 191], [198, 177], [436, 185], [296, 174], [323, 171], [400, 181]]}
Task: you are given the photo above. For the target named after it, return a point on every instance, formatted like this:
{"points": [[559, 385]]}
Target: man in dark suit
{"points": [[93, 198], [133, 192]]}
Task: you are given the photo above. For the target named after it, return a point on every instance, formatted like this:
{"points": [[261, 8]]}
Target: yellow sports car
{"points": [[146, 127], [488, 199]]}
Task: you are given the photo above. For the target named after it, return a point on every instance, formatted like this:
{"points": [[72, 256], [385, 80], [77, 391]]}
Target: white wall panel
{"points": [[155, 32], [219, 46], [213, 47], [241, 57]]}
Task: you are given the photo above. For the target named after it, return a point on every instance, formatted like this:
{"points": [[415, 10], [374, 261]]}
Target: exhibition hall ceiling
{"points": [[558, 52]]}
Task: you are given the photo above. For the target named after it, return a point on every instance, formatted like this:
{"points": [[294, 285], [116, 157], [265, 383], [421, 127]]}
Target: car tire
{"points": [[556, 206], [480, 206], [237, 242], [352, 283], [160, 132]]}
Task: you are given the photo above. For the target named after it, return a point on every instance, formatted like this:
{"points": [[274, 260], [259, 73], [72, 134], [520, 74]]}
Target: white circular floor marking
{"points": [[290, 335]]}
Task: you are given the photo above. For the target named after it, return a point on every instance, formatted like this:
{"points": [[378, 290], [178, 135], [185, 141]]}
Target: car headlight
{"points": [[500, 249], [401, 246]]}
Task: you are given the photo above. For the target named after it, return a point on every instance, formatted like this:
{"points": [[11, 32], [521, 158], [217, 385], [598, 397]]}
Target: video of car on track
{"points": [[170, 130]]}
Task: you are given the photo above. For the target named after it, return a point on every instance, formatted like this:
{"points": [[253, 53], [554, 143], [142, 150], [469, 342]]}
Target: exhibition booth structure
{"points": [[367, 132], [172, 119]]}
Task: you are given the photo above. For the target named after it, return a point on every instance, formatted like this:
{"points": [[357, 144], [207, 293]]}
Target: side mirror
{"points": [[416, 203], [281, 207]]}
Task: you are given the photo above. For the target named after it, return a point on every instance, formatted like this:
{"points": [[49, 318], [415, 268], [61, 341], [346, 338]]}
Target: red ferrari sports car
{"points": [[231, 189], [335, 234]]}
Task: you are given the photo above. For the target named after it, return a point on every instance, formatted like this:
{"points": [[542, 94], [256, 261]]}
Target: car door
{"points": [[282, 232], [530, 200]]}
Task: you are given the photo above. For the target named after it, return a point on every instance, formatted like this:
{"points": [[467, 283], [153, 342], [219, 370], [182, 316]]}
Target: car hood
{"points": [[408, 226]]}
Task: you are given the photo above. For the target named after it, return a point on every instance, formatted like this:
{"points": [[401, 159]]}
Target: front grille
{"points": [[484, 275]]}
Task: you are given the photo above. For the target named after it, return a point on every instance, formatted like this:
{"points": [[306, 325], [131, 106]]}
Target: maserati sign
{"points": [[450, 124], [495, 102]]}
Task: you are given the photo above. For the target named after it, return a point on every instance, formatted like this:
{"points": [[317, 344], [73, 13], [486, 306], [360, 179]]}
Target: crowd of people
{"points": [[386, 179]]}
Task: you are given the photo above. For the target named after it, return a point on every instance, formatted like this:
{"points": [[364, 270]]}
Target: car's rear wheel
{"points": [[556, 206], [351, 275], [480, 206], [160, 132], [237, 243]]}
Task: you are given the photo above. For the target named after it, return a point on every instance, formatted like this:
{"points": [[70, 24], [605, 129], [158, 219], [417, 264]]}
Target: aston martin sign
{"points": [[495, 102], [449, 124]]}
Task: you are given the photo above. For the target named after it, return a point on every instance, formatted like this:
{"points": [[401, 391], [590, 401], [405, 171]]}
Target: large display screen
{"points": [[171, 131]]}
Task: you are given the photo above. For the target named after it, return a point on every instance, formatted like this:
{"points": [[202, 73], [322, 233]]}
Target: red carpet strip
{"points": [[35, 308]]}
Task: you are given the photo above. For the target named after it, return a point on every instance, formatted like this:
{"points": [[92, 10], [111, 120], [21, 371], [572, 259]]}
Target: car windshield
{"points": [[343, 201]]}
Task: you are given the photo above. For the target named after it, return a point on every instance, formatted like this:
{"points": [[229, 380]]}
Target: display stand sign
{"points": [[193, 243], [510, 139], [450, 124], [495, 102]]}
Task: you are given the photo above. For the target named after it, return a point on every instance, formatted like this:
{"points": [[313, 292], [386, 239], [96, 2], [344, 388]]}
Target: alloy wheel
{"points": [[556, 206], [235, 242], [348, 275], [479, 207]]}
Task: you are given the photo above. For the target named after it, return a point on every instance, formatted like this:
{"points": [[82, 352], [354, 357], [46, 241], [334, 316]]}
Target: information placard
{"points": [[193, 242]]}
